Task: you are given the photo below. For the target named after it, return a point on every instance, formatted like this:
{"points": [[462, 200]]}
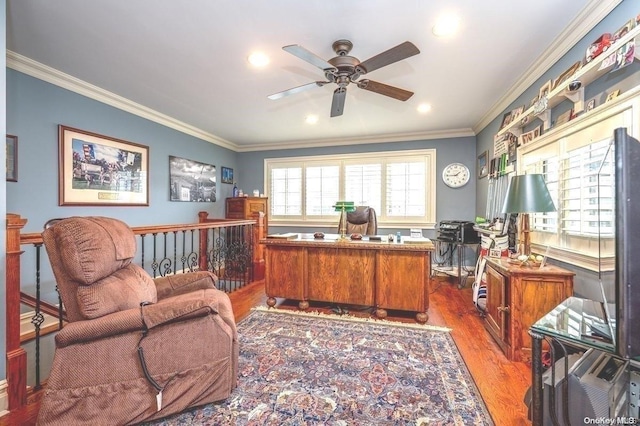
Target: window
{"points": [[399, 185], [579, 172]]}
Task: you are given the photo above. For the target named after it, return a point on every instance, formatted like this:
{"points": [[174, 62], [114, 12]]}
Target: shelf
{"points": [[586, 74]]}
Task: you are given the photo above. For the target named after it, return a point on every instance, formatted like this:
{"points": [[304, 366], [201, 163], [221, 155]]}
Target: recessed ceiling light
{"points": [[258, 59], [311, 119], [446, 25], [424, 108]]}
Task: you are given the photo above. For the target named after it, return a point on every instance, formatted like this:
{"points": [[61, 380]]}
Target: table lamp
{"points": [[344, 207], [527, 194]]}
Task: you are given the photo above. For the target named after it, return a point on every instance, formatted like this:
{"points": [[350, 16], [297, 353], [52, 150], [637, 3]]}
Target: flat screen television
{"points": [[627, 244]]}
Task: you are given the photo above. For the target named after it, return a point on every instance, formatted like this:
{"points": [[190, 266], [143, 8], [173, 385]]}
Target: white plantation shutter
{"points": [[406, 189], [396, 184], [322, 190], [363, 183], [285, 195]]}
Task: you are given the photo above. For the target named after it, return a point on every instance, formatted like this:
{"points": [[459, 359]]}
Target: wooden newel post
{"points": [[203, 217], [16, 356], [259, 233]]}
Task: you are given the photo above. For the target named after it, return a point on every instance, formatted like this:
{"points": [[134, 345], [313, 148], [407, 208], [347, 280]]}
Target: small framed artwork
{"points": [[12, 158], [545, 89], [565, 117], [591, 104], [567, 74], [483, 164], [506, 119], [227, 175], [611, 96], [97, 170], [191, 180], [537, 131]]}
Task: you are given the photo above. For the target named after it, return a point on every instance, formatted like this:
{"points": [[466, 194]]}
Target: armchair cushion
{"points": [[92, 255], [124, 289], [173, 285]]}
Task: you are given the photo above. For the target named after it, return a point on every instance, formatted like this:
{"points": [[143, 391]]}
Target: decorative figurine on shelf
{"points": [[236, 192]]}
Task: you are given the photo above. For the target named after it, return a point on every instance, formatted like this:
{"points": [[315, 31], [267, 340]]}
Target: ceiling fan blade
{"points": [[297, 89], [395, 54], [385, 89], [337, 105], [308, 56]]}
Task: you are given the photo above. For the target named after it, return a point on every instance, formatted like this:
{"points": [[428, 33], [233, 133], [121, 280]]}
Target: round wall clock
{"points": [[456, 175]]}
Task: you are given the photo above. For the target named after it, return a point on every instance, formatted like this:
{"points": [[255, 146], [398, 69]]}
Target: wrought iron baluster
{"points": [[142, 250], [37, 318], [154, 262]]}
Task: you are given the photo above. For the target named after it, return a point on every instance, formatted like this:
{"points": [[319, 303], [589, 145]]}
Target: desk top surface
{"points": [[334, 241]]}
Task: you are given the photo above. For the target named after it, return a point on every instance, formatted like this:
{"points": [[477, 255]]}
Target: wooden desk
{"points": [[381, 274]]}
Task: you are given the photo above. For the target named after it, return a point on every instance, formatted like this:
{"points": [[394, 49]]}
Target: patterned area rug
{"points": [[329, 370]]}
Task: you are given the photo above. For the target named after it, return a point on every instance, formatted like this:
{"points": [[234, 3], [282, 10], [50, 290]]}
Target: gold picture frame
{"points": [[97, 170]]}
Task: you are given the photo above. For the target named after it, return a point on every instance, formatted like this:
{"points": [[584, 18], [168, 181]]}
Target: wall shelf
{"points": [[587, 74]]}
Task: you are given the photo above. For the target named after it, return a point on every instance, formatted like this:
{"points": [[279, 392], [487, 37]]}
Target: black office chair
{"points": [[361, 221]]}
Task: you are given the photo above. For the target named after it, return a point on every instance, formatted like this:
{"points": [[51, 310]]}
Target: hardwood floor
{"points": [[502, 383]]}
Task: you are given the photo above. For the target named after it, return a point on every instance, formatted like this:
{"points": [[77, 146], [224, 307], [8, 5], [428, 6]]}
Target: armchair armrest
{"points": [[179, 308], [173, 285]]}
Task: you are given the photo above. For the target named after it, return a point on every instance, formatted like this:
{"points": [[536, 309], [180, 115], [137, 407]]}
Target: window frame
{"points": [[596, 126], [429, 158]]}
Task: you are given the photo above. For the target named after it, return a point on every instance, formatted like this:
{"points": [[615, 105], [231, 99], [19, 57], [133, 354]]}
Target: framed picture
{"points": [[545, 89], [567, 74], [227, 175], [12, 158], [99, 170], [563, 118], [611, 96], [483, 165], [191, 180], [591, 104], [537, 131], [506, 119]]}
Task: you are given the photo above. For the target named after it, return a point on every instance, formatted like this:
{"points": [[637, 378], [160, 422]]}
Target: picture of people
{"points": [[105, 167]]}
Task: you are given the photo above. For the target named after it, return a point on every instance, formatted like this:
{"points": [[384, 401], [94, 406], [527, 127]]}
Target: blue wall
{"points": [[34, 111], [456, 204]]}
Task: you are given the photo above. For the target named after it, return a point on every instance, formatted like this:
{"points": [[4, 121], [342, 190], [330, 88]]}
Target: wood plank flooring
{"points": [[502, 383]]}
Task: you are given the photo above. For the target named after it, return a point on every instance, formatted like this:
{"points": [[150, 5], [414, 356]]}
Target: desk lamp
{"points": [[527, 194], [344, 207]]}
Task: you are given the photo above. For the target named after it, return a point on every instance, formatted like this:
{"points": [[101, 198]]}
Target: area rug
{"points": [[332, 370]]}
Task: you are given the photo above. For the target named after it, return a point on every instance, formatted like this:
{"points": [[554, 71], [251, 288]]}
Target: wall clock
{"points": [[456, 175]]}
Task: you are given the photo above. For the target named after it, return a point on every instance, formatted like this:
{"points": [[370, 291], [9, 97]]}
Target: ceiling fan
{"points": [[344, 69]]}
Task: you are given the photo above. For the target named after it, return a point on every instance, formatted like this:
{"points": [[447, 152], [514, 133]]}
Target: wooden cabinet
{"points": [[517, 296], [245, 207]]}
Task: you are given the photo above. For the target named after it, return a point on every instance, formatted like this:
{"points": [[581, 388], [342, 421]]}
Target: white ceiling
{"points": [[184, 63]]}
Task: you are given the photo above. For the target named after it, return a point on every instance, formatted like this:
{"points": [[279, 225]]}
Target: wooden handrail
{"points": [[34, 238]]}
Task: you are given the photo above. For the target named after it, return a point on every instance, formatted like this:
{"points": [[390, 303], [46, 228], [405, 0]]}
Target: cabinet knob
{"points": [[502, 309]]}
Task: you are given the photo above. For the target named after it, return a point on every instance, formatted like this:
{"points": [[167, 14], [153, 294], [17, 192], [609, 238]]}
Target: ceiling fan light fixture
{"points": [[424, 108], [447, 25], [258, 59]]}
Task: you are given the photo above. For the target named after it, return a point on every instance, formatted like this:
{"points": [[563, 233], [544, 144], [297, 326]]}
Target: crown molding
{"points": [[589, 17], [42, 72], [400, 137]]}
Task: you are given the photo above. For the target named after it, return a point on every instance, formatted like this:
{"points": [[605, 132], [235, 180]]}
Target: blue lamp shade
{"points": [[528, 194]]}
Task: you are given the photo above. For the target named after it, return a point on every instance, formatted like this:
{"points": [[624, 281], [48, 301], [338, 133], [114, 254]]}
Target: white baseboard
{"points": [[4, 398]]}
